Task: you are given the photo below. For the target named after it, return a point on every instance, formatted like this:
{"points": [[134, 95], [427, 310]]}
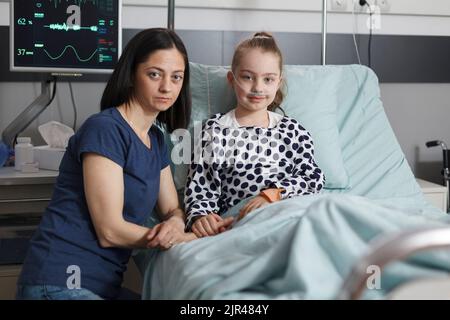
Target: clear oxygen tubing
{"points": [[252, 93]]}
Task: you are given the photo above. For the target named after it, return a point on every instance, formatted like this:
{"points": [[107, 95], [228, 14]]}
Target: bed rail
{"points": [[386, 250]]}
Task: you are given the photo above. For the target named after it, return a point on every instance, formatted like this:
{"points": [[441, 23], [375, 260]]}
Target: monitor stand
{"points": [[27, 116]]}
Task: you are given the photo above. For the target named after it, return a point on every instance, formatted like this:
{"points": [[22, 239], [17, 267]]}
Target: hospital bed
{"points": [[372, 211], [370, 235]]}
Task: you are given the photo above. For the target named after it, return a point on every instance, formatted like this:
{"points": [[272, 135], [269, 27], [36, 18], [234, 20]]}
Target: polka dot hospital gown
{"points": [[231, 163]]}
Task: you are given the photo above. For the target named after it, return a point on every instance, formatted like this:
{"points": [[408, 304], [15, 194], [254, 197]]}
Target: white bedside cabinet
{"points": [[436, 194]]}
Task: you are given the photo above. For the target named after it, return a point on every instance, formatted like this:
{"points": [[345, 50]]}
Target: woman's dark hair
{"points": [[120, 86], [264, 41]]}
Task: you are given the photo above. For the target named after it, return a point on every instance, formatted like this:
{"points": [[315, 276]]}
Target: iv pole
{"points": [[171, 24], [324, 32], [171, 14]]}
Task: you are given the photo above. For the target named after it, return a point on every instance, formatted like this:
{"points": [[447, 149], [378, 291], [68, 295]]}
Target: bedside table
{"points": [[23, 199], [436, 194]]}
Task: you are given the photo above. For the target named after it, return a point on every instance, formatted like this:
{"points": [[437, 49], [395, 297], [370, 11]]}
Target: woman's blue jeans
{"points": [[49, 292]]}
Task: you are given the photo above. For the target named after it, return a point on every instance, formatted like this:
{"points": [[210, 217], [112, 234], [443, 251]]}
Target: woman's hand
{"points": [[166, 234], [211, 225], [255, 203], [189, 236], [171, 231]]}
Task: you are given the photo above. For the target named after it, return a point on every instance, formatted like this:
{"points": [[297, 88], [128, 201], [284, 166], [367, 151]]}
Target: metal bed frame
{"points": [[389, 249]]}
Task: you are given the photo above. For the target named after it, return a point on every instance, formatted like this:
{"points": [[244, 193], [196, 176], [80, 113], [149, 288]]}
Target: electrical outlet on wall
{"points": [[382, 6], [338, 5]]}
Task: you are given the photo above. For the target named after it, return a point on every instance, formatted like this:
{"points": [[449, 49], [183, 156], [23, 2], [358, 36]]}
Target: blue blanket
{"points": [[301, 248]]}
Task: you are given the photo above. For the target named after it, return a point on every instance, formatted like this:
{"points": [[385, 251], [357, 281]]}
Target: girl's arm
{"points": [[202, 192], [104, 191], [306, 177], [203, 185]]}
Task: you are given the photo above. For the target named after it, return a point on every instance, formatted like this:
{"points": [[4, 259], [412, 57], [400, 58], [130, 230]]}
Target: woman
{"points": [[110, 178]]}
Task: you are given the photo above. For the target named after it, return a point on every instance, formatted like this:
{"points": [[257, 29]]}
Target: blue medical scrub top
{"points": [[66, 235]]}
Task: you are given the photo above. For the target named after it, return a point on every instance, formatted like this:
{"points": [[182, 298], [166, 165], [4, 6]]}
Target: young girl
{"points": [[250, 150]]}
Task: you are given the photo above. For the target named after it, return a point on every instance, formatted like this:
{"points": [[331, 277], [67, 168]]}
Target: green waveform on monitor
{"points": [[75, 27], [77, 2], [74, 50]]}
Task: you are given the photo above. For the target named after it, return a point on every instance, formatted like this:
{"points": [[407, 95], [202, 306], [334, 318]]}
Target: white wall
{"points": [[417, 112], [15, 97], [404, 17], [405, 7]]}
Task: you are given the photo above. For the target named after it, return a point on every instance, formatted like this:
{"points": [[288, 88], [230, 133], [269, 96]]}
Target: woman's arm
{"points": [[171, 230], [104, 191], [168, 205]]}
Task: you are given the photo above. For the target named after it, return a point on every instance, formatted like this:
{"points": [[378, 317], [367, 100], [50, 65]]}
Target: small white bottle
{"points": [[23, 152]]}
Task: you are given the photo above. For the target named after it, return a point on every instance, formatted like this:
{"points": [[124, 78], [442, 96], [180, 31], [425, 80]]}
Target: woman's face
{"points": [[158, 81], [256, 79]]}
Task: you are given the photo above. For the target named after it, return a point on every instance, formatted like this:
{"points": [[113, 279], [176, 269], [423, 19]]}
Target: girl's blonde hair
{"points": [[265, 42]]}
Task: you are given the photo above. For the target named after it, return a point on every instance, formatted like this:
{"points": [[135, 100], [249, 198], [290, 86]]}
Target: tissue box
{"points": [[48, 158]]}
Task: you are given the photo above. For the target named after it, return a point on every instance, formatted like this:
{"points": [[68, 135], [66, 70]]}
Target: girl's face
{"points": [[158, 80], [256, 79]]}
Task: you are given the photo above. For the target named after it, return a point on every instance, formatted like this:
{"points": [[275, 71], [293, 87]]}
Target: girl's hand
{"points": [[211, 225], [255, 203], [166, 234]]}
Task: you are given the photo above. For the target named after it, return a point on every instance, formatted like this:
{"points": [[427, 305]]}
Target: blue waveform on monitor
{"points": [[74, 50]]}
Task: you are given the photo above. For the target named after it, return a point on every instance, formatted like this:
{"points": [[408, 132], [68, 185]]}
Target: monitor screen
{"points": [[65, 36]]}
